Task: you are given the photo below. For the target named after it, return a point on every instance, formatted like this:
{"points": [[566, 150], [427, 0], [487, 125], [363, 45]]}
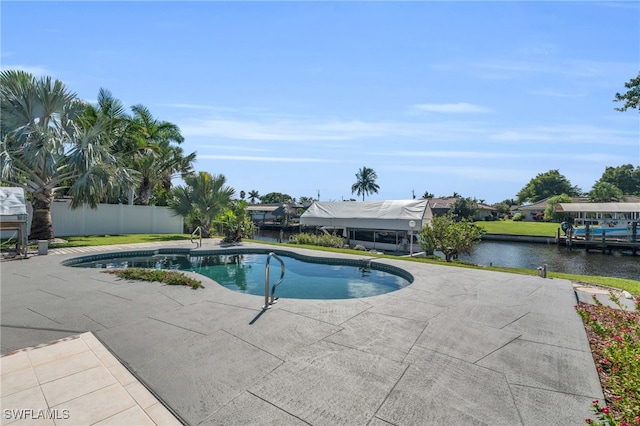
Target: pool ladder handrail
{"points": [[197, 243], [270, 297]]}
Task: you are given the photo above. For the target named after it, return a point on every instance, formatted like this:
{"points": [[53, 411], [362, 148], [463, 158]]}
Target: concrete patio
{"points": [[458, 346]]}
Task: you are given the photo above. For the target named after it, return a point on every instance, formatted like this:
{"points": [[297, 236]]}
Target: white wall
{"points": [[112, 219]]}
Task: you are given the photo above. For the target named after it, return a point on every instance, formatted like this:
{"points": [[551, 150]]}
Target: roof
{"points": [[598, 207], [391, 215], [262, 207], [542, 204], [12, 201]]}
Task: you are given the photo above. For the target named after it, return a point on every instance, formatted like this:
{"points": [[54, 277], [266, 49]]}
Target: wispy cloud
{"points": [[475, 173], [232, 148], [266, 159], [457, 108], [584, 134], [558, 93], [286, 130]]}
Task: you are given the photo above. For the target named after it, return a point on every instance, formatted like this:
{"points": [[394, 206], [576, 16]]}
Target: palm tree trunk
{"points": [[41, 223]]}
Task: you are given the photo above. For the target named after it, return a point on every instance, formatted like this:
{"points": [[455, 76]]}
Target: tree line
{"points": [[54, 144]]}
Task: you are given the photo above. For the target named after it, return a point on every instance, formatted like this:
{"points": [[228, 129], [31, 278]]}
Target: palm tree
{"points": [[155, 158], [253, 196], [201, 199], [47, 143], [365, 183]]}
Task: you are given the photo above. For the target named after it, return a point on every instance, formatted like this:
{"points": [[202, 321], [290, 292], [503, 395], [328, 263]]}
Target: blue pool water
{"points": [[306, 278]]}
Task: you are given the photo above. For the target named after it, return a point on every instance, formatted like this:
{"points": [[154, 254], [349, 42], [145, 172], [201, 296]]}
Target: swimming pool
{"points": [[243, 270]]}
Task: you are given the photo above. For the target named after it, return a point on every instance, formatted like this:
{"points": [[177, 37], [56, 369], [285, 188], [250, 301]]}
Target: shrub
{"points": [[157, 275], [614, 336], [518, 217], [323, 240]]}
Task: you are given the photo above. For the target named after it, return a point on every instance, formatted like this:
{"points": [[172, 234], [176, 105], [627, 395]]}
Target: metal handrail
{"points": [[199, 231], [267, 302]]}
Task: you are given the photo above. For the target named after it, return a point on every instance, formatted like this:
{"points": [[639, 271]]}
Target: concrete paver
{"points": [[73, 381], [455, 347]]}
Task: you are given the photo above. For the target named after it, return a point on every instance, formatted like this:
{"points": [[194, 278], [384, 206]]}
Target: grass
{"points": [[509, 227], [106, 240]]}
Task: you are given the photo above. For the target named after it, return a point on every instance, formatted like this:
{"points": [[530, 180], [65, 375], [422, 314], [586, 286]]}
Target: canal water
{"points": [[532, 255]]}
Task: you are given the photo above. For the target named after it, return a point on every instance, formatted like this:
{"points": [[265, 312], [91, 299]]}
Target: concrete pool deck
{"points": [[458, 346]]}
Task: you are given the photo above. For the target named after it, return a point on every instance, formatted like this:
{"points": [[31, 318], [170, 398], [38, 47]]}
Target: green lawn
{"points": [[544, 229], [106, 240]]}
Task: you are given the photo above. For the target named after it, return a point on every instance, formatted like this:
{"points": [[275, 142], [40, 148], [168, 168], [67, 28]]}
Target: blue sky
{"points": [[469, 97]]}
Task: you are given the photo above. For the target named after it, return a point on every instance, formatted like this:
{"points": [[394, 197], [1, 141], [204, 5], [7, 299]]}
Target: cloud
{"points": [[584, 134], [475, 173], [459, 108], [265, 159], [286, 130]]}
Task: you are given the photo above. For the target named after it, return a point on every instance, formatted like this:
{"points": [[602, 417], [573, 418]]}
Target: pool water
{"points": [[245, 273]]}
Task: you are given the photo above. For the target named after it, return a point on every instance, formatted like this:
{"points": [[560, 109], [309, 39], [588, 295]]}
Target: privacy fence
{"points": [[111, 219]]}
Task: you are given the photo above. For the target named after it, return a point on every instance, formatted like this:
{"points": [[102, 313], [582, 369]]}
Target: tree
{"points": [[624, 177], [365, 182], [550, 213], [47, 142], [427, 195], [253, 196], [306, 201], [155, 158], [201, 199], [451, 238], [605, 192], [631, 98], [236, 221], [277, 197], [546, 185], [465, 208], [242, 195], [504, 206]]}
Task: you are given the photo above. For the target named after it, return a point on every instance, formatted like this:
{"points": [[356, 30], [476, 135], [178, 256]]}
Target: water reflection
{"points": [[531, 256], [558, 259]]}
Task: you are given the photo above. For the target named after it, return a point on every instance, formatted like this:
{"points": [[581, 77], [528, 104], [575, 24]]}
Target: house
{"points": [[262, 213], [535, 211], [442, 206]]}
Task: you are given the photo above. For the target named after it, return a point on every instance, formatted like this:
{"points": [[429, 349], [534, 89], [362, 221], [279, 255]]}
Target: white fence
{"points": [[112, 219]]}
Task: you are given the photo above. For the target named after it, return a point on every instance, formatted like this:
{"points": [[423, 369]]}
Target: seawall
{"points": [[520, 238]]}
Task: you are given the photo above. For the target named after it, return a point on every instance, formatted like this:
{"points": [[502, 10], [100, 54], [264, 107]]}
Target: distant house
{"points": [[262, 213], [442, 206], [535, 211]]}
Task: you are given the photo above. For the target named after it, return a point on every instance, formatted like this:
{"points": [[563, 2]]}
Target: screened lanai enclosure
{"points": [[376, 225]]}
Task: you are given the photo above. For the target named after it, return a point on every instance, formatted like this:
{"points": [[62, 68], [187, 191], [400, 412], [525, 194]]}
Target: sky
{"points": [[475, 98]]}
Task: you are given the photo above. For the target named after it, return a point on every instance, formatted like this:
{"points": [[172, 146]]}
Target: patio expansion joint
{"points": [[515, 320], [255, 346], [51, 294], [407, 365], [115, 295], [96, 321], [279, 408], [43, 315], [498, 348], [24, 327], [178, 326]]}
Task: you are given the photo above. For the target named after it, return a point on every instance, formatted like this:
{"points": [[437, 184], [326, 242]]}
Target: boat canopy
{"points": [[388, 215]]}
